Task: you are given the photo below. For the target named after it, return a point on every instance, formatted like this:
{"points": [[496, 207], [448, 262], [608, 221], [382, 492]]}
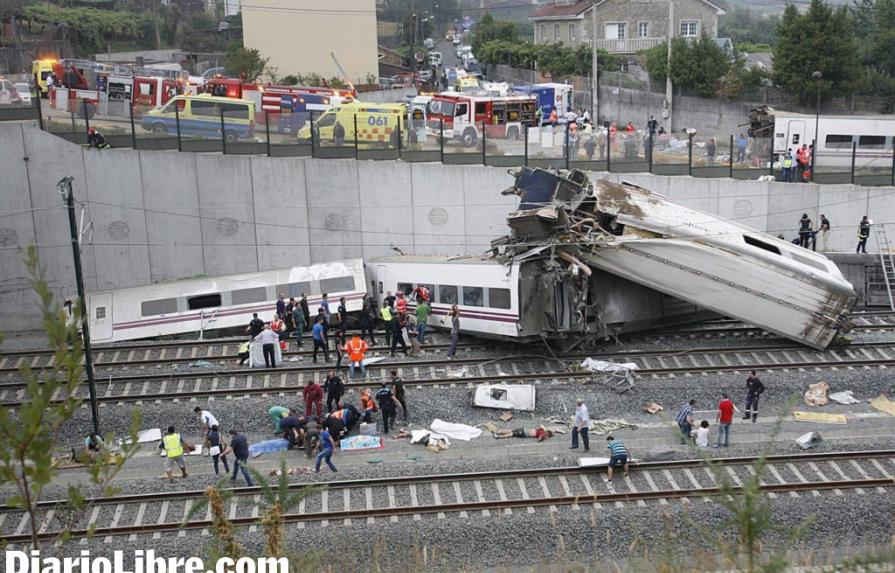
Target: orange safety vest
{"points": [[356, 348], [401, 305]]}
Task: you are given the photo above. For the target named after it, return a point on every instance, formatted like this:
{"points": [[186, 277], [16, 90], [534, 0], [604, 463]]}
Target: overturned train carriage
{"points": [[699, 259]]}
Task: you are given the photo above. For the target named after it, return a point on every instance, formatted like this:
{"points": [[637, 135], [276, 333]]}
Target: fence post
{"points": [[86, 116], [525, 161], [73, 126], [177, 125], [771, 162], [893, 168], [441, 139], [40, 114], [399, 136], [854, 151], [567, 147], [267, 129], [730, 172], [814, 159], [608, 150], [355, 137], [650, 151], [133, 127], [311, 114], [484, 142], [690, 155], [223, 134]]}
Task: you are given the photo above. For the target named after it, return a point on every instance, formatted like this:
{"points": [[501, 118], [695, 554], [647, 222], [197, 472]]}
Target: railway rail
{"points": [[473, 494], [186, 351], [467, 371]]}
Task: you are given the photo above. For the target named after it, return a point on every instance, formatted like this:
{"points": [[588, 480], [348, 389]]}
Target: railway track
{"points": [[471, 494], [468, 371], [146, 354]]}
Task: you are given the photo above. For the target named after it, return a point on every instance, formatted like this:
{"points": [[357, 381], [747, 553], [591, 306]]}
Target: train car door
{"points": [[101, 316], [795, 135]]}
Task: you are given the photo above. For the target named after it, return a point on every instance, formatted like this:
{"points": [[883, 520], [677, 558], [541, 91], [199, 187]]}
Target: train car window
{"points": [[100, 312], [761, 244], [212, 300], [380, 287], [248, 295], [447, 294], [406, 288], [294, 290], [156, 307], [473, 296], [499, 297], [337, 284], [839, 141], [872, 142]]}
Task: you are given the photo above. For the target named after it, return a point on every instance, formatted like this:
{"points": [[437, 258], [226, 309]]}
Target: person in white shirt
{"points": [[702, 434], [582, 423], [208, 420], [269, 339]]}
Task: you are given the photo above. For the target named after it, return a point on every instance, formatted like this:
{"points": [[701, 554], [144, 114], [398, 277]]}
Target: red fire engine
{"points": [[276, 98], [463, 116]]}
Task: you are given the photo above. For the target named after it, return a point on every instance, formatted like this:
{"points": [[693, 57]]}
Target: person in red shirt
{"points": [[725, 419], [313, 397]]}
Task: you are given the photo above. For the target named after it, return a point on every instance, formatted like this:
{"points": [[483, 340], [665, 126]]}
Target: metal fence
{"points": [[362, 136]]}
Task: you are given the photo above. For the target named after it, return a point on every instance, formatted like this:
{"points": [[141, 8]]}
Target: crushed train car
{"points": [[702, 259]]}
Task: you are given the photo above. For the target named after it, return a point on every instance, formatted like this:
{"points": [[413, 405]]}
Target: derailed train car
{"points": [[693, 256]]}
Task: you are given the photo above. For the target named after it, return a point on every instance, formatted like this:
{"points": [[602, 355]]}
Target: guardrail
{"points": [[503, 145]]}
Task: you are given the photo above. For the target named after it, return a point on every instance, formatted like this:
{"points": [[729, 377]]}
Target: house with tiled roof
{"points": [[623, 26]]}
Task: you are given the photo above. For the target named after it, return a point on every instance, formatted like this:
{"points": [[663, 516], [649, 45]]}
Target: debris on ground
{"points": [[596, 426], [816, 394], [883, 404], [506, 416], [291, 472], [653, 408], [845, 397], [455, 431], [505, 397], [489, 426], [433, 441], [268, 447], [809, 440], [144, 437], [201, 364], [618, 377], [819, 418], [360, 442]]}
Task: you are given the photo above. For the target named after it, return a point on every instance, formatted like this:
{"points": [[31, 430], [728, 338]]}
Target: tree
{"points": [[821, 39], [246, 62], [28, 432], [744, 26], [488, 30], [695, 65], [93, 28]]}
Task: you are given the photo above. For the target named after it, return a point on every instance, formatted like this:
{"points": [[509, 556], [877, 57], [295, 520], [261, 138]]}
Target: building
{"points": [[623, 26], [299, 35]]}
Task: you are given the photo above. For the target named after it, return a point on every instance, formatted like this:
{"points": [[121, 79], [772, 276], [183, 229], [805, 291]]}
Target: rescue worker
{"points": [[339, 134], [243, 352], [356, 348], [343, 313], [804, 230], [863, 234], [367, 405], [298, 318], [754, 389], [422, 293], [239, 446], [401, 304], [311, 435], [398, 385], [786, 174], [277, 413], [305, 309], [334, 389], [554, 117], [455, 329], [312, 394], [174, 447], [367, 318], [388, 405], [326, 447], [269, 339], [319, 340], [256, 325], [397, 330], [422, 317], [824, 233], [281, 305], [96, 140], [339, 334], [386, 313]]}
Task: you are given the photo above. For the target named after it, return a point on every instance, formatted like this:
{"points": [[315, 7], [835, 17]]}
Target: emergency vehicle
{"points": [[40, 69], [275, 99], [550, 96], [463, 115], [377, 124]]}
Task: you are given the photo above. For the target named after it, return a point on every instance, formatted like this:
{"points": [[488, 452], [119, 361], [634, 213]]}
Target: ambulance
{"points": [[377, 124]]}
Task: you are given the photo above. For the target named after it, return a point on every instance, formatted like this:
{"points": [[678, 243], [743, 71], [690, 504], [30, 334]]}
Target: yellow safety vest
{"points": [[173, 446], [386, 313], [787, 163]]}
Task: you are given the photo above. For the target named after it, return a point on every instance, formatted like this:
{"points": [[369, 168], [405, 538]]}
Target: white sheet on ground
{"points": [[423, 436], [145, 436], [844, 397], [602, 366], [456, 431], [592, 462]]}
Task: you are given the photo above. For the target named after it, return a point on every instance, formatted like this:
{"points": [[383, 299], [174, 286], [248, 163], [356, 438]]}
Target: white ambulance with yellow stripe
{"points": [[377, 124]]}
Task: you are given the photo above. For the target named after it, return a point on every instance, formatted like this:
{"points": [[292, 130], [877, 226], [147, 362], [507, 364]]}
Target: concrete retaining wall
{"points": [[162, 215]]}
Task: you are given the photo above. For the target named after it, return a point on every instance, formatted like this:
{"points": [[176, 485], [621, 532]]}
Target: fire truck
{"points": [[286, 106], [112, 88], [462, 116]]}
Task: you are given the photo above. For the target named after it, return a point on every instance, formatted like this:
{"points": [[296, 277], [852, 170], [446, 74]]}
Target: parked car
{"points": [[24, 90], [212, 72], [8, 93], [425, 75]]}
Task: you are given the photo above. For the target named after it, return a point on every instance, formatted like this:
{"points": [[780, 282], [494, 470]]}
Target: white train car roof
{"points": [[435, 259], [198, 286]]}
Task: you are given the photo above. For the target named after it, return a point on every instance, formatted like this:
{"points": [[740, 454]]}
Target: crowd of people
{"points": [[808, 233], [686, 422]]}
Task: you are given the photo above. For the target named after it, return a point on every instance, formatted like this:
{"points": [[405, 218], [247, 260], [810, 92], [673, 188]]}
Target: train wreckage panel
{"points": [[646, 238]]}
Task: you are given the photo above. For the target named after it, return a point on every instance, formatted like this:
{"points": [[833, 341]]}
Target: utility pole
{"points": [[65, 189], [667, 111], [594, 74]]}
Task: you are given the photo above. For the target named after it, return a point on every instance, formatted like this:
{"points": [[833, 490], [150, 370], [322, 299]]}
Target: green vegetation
{"points": [[91, 29], [29, 432], [820, 39], [745, 26], [246, 63]]}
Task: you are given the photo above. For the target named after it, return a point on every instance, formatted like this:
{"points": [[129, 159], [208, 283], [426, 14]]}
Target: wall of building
{"points": [[161, 215], [299, 36]]}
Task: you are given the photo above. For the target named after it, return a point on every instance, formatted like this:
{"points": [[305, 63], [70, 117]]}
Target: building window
{"points": [[543, 32], [556, 31], [689, 28], [616, 31], [571, 32], [643, 29]]}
